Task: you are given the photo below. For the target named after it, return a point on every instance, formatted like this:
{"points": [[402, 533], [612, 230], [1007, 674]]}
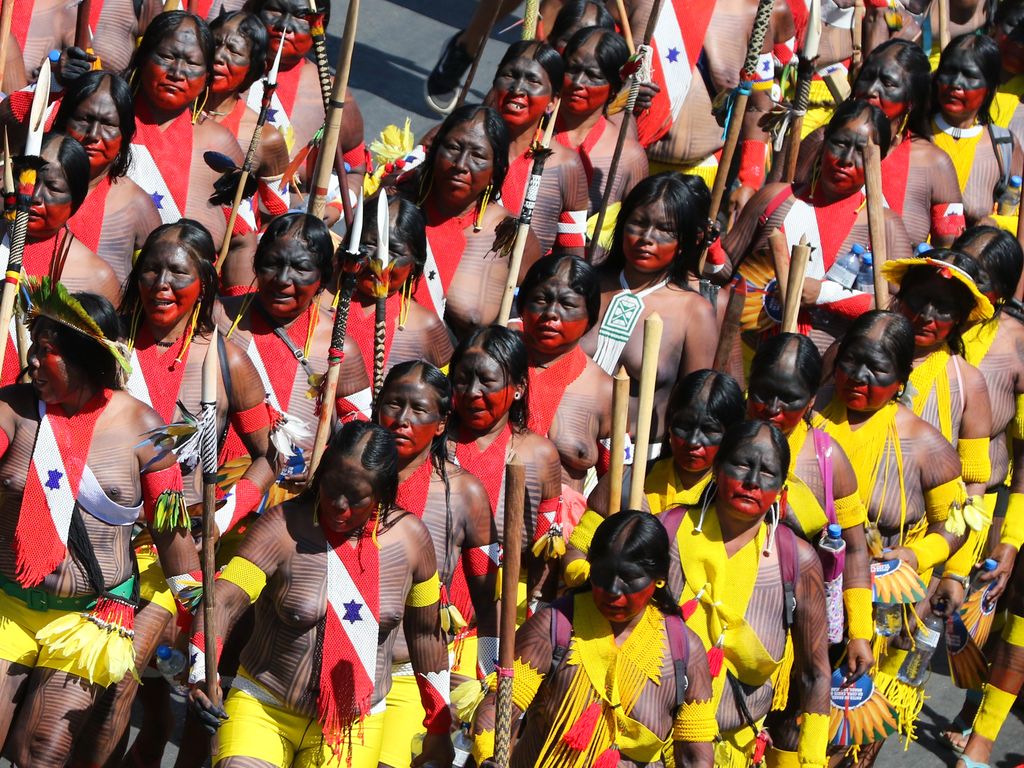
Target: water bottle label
{"points": [[840, 274], [927, 636], [834, 608]]}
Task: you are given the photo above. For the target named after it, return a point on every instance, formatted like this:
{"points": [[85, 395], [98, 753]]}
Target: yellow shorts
{"points": [[19, 626], [706, 169], [285, 739], [403, 719]]}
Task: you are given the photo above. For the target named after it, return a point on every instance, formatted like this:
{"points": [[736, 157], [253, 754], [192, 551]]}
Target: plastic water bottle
{"points": [[922, 249], [1009, 202], [915, 667], [844, 270], [888, 619], [171, 663], [463, 746], [977, 584], [832, 547], [865, 282]]}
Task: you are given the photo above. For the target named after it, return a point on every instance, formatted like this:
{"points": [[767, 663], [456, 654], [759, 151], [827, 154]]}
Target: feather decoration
{"points": [[182, 438]]}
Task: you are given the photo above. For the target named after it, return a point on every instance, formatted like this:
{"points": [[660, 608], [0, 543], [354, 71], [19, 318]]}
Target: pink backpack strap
{"points": [[823, 452]]}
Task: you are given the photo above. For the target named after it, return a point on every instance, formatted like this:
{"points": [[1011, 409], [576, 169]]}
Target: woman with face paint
{"points": [[490, 383], [593, 58], [523, 93], [171, 70], [572, 16], [61, 188], [571, 397], [466, 231], [333, 574], [168, 307], [77, 482], [297, 105], [412, 332], [908, 474], [992, 346], [117, 216], [286, 334], [734, 569], [821, 488], [1008, 32], [414, 405], [622, 629], [829, 211], [659, 234], [984, 155]]}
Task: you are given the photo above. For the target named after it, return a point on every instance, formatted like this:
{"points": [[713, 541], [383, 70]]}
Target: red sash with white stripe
{"points": [[162, 162]]}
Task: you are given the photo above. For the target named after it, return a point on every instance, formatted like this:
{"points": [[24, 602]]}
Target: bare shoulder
{"points": [[535, 448], [807, 556], [410, 531], [134, 414], [215, 136], [466, 486], [562, 155]]}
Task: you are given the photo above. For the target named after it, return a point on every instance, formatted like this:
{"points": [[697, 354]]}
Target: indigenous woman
{"points": [[490, 383], [572, 16], [593, 58], [76, 481], [660, 232], [168, 308], [523, 92], [287, 334], [736, 571], [908, 474], [821, 489], [918, 179], [297, 105], [1008, 32], [117, 216], [609, 674], [993, 346], [984, 155], [412, 332], [172, 69], [571, 396], [332, 574], [50, 247], [468, 237], [414, 405], [703, 405], [830, 212]]}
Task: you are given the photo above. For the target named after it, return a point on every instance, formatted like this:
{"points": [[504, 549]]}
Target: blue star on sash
{"points": [[158, 200], [272, 116], [53, 479], [352, 612], [673, 55]]}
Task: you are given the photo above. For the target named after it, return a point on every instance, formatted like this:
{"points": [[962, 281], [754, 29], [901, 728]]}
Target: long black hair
{"points": [[582, 279], [985, 54], [497, 135], [80, 89], [687, 201], [84, 353], [253, 30], [897, 340], [163, 25], [611, 53], [198, 244], [724, 397], [509, 352], [917, 72], [636, 537]]}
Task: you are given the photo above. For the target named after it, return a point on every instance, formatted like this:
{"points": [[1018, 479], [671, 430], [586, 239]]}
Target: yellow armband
{"points": [[938, 500], [859, 624], [245, 575], [930, 550], [483, 746], [424, 593], [695, 721], [813, 741], [525, 683], [1015, 429], [1013, 630], [583, 533], [576, 573], [974, 461], [1013, 523], [850, 511]]}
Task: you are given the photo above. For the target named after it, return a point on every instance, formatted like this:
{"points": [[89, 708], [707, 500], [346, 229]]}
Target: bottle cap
{"points": [[857, 248], [866, 258], [163, 652], [989, 565], [923, 248], [835, 530], [1015, 181], [54, 56]]}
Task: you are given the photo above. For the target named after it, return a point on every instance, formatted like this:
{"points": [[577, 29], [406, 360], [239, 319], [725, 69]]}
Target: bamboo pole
{"points": [[620, 423], [730, 331], [779, 248], [797, 270], [653, 327], [515, 505], [876, 219], [6, 19], [627, 31], [208, 449]]}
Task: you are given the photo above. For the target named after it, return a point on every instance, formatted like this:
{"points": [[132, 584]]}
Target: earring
{"points": [[659, 584], [197, 106], [404, 302], [190, 330], [478, 222], [517, 395]]}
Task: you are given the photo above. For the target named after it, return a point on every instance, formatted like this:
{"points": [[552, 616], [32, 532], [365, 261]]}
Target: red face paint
{"points": [[554, 315], [410, 410], [230, 61], [751, 476], [47, 370], [844, 177], [649, 239], [346, 497], [786, 419], [957, 101], [861, 395], [169, 284], [584, 99], [97, 127], [174, 74], [287, 278], [690, 456], [619, 608], [482, 392], [743, 497], [464, 164], [522, 92]]}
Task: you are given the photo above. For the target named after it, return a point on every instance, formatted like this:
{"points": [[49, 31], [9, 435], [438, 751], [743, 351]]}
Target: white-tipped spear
{"points": [[208, 459], [382, 272], [805, 73], [25, 188], [269, 86]]}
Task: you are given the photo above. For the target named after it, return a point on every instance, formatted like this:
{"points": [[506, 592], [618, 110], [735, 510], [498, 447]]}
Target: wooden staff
{"points": [[620, 423], [805, 74], [269, 86], [653, 327], [943, 24], [797, 270], [876, 219], [530, 19], [540, 156], [336, 109], [23, 189], [730, 331], [762, 18], [382, 283], [620, 141], [83, 37], [6, 19], [515, 503], [348, 264], [779, 248], [479, 55], [627, 32], [208, 451], [858, 39]]}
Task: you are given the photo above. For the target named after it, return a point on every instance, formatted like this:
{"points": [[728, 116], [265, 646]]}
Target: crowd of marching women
{"points": [[661, 410]]}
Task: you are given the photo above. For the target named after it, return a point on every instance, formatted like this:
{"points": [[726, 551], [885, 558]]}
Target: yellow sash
{"points": [[1007, 100], [978, 340], [802, 501], [960, 151], [665, 490], [931, 375]]}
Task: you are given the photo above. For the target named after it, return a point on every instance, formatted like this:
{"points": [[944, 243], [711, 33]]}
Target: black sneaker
{"points": [[445, 80]]}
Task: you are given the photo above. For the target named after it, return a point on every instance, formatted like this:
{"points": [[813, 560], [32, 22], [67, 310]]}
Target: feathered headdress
{"points": [[50, 299]]}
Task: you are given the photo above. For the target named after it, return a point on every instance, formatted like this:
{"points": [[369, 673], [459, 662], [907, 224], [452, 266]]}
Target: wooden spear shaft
{"points": [[515, 504], [876, 220], [208, 448], [653, 327], [797, 271], [336, 109], [620, 423], [479, 55], [6, 19]]}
